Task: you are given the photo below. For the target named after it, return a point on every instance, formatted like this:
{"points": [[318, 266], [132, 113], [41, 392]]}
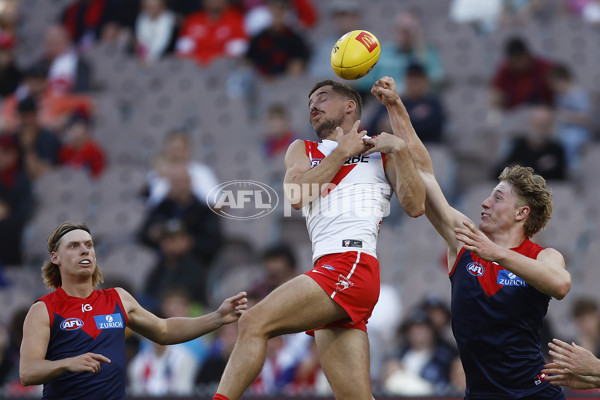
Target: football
{"points": [[355, 54]]}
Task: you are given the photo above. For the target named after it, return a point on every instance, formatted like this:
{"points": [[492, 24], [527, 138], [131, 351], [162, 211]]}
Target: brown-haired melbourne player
{"points": [[343, 194], [74, 337], [501, 281]]}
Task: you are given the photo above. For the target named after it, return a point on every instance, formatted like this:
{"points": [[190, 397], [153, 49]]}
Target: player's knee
{"points": [[251, 323]]}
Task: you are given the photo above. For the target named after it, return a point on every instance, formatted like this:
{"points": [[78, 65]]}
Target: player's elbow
{"points": [[563, 288], [417, 211], [27, 379]]}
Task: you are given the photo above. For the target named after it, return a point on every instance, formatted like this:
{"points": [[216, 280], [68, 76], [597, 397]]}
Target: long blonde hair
{"points": [[50, 271]]}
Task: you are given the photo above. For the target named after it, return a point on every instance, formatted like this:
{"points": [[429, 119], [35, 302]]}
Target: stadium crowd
{"points": [[126, 114]]}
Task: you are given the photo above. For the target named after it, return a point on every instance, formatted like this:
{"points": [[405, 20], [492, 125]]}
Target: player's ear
{"points": [[350, 106], [54, 258], [522, 213]]}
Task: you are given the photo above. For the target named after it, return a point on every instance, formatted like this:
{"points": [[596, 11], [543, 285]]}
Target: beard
{"points": [[325, 128]]}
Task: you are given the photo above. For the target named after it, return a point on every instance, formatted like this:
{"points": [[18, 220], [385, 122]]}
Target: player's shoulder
{"points": [[38, 311]]}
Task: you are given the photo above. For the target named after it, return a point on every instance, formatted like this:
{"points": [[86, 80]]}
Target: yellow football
{"points": [[355, 54]]}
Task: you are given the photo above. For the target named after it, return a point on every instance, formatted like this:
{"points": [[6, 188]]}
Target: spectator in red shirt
{"points": [[279, 134], [521, 79], [217, 31], [79, 149], [278, 49]]}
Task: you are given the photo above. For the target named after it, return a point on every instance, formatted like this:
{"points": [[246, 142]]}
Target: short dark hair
{"points": [[416, 69], [343, 90], [516, 47], [27, 105], [584, 306], [280, 251], [561, 72]]}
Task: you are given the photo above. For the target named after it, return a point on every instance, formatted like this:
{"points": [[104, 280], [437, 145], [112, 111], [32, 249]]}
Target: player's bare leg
{"points": [[297, 305], [344, 356]]}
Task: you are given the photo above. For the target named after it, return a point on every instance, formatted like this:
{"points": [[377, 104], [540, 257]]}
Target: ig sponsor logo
{"points": [[242, 199]]}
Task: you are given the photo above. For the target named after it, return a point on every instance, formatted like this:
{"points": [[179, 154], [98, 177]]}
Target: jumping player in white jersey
{"points": [[344, 195]]}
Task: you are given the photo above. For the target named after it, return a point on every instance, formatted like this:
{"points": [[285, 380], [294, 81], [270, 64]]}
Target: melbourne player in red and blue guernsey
{"points": [[501, 281], [74, 338]]}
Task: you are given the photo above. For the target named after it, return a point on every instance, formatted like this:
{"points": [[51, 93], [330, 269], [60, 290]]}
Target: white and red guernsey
{"points": [[347, 216]]}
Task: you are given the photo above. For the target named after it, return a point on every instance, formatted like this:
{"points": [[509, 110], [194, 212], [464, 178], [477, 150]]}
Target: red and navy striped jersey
{"points": [[497, 322], [93, 324]]}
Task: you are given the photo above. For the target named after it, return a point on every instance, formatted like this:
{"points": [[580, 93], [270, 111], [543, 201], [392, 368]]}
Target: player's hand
{"points": [[574, 357], [385, 91], [88, 362], [476, 241], [233, 307], [384, 143], [351, 143], [559, 376]]}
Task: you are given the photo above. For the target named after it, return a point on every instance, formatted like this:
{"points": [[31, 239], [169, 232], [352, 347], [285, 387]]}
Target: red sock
{"points": [[220, 397]]}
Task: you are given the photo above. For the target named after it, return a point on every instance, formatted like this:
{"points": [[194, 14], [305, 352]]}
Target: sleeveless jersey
{"points": [[94, 324], [497, 322], [347, 216]]}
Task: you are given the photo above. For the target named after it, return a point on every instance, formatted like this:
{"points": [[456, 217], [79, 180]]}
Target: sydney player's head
{"points": [[331, 104]]}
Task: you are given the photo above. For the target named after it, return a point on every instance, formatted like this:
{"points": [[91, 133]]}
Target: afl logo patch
{"points": [[71, 324], [475, 269]]}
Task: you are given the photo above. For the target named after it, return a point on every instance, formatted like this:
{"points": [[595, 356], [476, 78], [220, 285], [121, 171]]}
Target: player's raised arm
{"points": [[401, 172], [442, 216], [34, 369], [178, 330]]}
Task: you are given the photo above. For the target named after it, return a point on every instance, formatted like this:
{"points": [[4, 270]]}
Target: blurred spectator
{"points": [[16, 202], [521, 12], [573, 110], [575, 6], [79, 149], [587, 318], [13, 387], [156, 31], [38, 147], [178, 266], [199, 223], [522, 78], [344, 14], [159, 370], [457, 384], [425, 109], [439, 315], [257, 15], [210, 372], [279, 266], [278, 132], [89, 21], [383, 329], [10, 74], [177, 149], [9, 16], [67, 71], [484, 16], [278, 49], [215, 32], [178, 302], [54, 108], [537, 147], [591, 12], [409, 47], [421, 366]]}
